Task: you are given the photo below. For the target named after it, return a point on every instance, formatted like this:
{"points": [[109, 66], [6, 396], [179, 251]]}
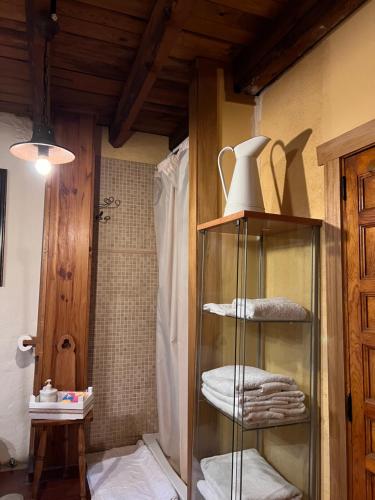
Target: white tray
{"points": [[61, 410]]}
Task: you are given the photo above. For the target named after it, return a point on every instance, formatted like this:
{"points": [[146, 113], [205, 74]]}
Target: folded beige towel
{"points": [[281, 396], [275, 308], [252, 413], [273, 413]]}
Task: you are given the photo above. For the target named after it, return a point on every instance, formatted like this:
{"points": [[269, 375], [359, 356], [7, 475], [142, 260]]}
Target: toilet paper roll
{"points": [[20, 340]]}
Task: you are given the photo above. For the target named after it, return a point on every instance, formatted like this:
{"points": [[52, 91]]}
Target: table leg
{"points": [[82, 460], [66, 450], [39, 462]]}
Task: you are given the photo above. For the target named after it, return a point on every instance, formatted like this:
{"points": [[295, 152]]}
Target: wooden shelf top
{"points": [[262, 221]]}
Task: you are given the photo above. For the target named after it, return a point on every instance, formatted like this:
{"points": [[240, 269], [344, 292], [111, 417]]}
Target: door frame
{"points": [[330, 155]]}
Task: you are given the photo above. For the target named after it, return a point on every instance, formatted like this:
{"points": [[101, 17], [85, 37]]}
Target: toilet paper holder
{"points": [[26, 343]]}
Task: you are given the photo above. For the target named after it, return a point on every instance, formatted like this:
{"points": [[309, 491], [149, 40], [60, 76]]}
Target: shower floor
{"points": [[139, 471], [151, 440]]}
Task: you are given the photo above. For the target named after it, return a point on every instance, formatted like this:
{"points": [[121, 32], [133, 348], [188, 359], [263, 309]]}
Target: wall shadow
{"points": [[94, 269], [5, 451], [293, 199]]}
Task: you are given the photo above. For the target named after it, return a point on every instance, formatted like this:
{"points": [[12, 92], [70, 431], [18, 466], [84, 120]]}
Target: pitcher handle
{"points": [[227, 148]]}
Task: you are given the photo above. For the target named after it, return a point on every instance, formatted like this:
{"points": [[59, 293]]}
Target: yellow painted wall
{"points": [[328, 92], [236, 127], [141, 147]]}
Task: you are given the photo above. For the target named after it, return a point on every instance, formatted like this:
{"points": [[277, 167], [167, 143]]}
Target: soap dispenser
{"points": [[48, 394]]}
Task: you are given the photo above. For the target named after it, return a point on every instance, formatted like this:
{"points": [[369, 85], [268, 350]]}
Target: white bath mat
{"points": [[132, 477], [99, 456]]}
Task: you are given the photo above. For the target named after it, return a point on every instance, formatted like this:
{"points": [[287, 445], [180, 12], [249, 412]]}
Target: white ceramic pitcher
{"points": [[245, 192]]}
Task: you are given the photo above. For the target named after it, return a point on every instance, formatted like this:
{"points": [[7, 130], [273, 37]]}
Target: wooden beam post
{"points": [[40, 30], [64, 297], [158, 40], [66, 258], [204, 144]]}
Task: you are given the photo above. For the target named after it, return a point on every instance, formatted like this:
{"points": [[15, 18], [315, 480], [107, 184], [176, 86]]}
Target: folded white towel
{"points": [[220, 309], [260, 481], [276, 308], [206, 490], [227, 378]]}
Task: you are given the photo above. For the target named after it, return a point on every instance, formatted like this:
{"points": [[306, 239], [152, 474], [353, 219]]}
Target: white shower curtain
{"points": [[171, 226]]}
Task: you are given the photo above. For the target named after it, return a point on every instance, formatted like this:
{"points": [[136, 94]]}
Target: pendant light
{"points": [[42, 148]]}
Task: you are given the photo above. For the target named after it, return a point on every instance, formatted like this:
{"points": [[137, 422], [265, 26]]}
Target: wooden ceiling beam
{"points": [[160, 36], [179, 134], [38, 27], [300, 27], [261, 8]]}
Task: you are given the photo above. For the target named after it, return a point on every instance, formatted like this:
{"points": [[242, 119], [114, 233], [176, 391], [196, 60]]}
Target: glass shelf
{"points": [[305, 321], [258, 223], [303, 419], [252, 254]]}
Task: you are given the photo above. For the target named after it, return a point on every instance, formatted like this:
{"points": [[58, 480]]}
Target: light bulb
{"points": [[43, 165]]}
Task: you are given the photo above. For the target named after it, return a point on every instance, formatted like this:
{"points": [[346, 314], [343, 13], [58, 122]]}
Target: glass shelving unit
{"points": [[256, 255]]}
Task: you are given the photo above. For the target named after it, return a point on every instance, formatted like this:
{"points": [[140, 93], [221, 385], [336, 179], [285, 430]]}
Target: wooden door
{"points": [[359, 245]]}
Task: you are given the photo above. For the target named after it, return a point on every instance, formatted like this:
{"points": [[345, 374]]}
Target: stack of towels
{"points": [[260, 481], [252, 394], [276, 308]]}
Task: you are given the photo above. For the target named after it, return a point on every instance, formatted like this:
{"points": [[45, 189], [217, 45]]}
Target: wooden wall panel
{"points": [[66, 258], [203, 193]]}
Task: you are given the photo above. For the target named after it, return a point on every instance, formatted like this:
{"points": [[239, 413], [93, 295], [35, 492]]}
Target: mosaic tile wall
{"points": [[123, 312]]}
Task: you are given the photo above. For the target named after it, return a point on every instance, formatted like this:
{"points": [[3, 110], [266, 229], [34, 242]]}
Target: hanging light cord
{"points": [[53, 10], [46, 82], [45, 112]]}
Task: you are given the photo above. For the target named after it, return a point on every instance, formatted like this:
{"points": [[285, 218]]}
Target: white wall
{"points": [[19, 295]]}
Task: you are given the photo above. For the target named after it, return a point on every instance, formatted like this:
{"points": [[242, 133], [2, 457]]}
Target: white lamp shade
{"points": [[42, 142], [29, 151]]}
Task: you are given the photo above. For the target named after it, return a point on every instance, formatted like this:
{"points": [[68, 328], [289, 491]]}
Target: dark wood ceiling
{"points": [[131, 61]]}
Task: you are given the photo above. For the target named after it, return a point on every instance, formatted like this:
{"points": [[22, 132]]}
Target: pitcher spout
{"points": [[252, 147]]}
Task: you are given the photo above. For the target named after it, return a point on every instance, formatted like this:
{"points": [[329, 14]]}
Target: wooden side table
{"points": [[43, 426]]}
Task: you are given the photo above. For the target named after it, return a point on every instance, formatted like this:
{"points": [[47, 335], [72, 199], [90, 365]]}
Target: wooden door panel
{"points": [[369, 375], [359, 223], [366, 191], [368, 312], [370, 460], [367, 250]]}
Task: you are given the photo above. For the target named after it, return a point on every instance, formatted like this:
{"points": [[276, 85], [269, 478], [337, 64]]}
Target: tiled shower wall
{"points": [[123, 310]]}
